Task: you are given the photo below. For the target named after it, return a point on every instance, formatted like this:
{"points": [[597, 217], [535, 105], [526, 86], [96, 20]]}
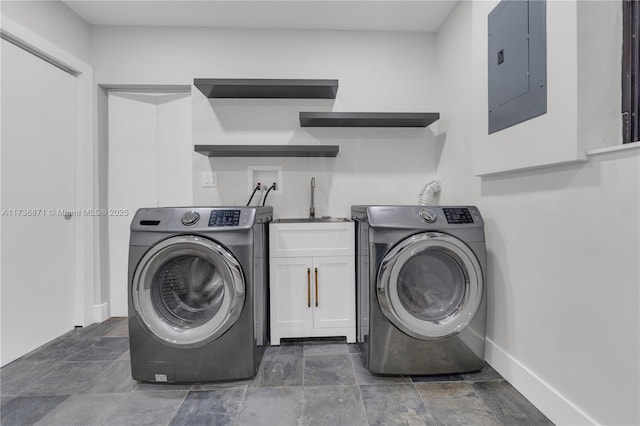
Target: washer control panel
{"points": [[457, 215], [224, 218]]}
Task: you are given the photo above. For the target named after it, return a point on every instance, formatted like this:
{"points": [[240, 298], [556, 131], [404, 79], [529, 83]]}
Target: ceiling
{"points": [[361, 15]]}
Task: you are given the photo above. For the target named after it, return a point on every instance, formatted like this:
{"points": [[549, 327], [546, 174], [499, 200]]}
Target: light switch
{"points": [[209, 179]]}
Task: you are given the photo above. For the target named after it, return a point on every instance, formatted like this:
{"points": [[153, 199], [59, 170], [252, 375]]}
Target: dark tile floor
{"points": [[83, 378]]}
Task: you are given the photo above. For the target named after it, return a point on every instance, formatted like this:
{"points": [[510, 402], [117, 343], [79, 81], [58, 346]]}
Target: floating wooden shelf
{"points": [[267, 88], [268, 150], [367, 119]]}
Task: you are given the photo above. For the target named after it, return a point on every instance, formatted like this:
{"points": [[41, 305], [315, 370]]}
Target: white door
{"points": [[334, 291], [38, 180], [291, 287], [149, 165]]}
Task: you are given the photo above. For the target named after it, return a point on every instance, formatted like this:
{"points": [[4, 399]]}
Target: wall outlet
{"points": [[209, 179]]}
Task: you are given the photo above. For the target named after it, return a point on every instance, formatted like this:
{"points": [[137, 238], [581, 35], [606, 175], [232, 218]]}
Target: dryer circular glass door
{"points": [[188, 290], [430, 285]]}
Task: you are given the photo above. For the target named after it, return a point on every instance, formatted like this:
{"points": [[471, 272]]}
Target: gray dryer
{"points": [[421, 302]]}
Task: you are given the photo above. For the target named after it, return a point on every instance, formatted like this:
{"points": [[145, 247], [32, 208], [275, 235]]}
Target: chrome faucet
{"points": [[312, 209]]}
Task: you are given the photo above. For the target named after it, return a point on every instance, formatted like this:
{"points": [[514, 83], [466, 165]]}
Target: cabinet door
{"points": [[291, 285], [334, 292]]}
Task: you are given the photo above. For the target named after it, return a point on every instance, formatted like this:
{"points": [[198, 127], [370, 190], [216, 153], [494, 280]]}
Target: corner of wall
{"points": [[541, 394]]}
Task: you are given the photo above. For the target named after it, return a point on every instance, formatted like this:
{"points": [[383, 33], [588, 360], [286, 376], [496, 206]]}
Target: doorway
{"points": [[149, 165]]}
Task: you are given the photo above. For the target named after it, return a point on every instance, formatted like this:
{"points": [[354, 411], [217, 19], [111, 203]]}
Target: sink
{"points": [[323, 219]]}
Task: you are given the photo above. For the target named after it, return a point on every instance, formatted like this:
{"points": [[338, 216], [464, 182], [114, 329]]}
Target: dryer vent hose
{"points": [[428, 193]]}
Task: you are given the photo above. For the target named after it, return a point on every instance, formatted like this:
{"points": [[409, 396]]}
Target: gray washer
{"points": [[197, 293], [421, 302]]}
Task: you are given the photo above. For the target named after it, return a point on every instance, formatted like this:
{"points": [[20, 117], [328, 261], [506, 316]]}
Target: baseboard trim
{"points": [[552, 403], [100, 312]]}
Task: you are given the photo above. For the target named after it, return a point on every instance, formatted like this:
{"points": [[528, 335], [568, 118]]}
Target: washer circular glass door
{"points": [[430, 285], [188, 290]]}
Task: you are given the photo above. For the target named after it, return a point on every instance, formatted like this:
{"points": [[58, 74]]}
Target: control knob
{"points": [[428, 216], [190, 218]]}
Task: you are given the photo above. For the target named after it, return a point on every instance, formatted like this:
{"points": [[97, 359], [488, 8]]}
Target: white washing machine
{"points": [[421, 302], [197, 293]]}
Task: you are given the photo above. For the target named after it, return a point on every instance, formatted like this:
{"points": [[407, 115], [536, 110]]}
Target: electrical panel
{"points": [[517, 62]]}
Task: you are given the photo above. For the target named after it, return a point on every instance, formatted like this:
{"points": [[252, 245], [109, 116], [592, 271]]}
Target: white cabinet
{"points": [[312, 280]]}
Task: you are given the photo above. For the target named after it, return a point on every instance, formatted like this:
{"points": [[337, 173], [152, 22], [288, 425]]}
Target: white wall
{"points": [[53, 21], [376, 72], [563, 241], [584, 89], [556, 131]]}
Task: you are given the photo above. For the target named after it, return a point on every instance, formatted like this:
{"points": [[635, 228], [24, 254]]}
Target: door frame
{"points": [[103, 92], [87, 283]]}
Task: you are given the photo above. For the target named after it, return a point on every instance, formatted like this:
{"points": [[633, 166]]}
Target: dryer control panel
{"points": [[224, 218], [457, 215]]}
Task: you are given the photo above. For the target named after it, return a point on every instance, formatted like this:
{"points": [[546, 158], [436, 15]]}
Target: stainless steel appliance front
{"points": [[197, 299], [421, 289]]}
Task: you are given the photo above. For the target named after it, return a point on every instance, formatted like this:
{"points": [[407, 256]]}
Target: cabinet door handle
{"points": [[308, 287], [316, 270]]}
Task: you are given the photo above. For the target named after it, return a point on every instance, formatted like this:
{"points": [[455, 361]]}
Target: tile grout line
{"points": [[303, 364], [424, 402], [359, 387], [303, 386], [178, 408], [473, 389], [241, 405]]}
